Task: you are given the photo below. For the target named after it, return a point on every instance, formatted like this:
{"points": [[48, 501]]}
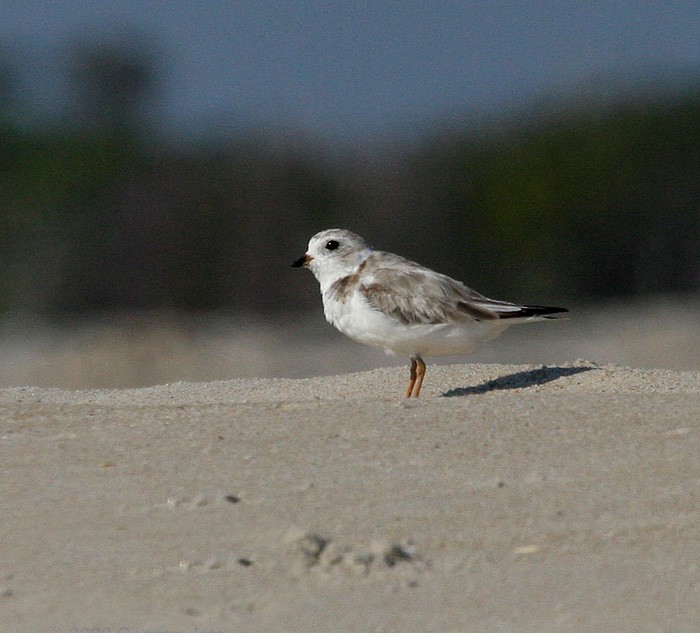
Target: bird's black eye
{"points": [[331, 245]]}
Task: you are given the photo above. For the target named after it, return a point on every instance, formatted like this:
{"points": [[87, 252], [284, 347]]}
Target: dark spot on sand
{"points": [[396, 554], [312, 546]]}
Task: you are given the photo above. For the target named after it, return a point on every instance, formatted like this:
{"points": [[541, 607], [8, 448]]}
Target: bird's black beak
{"points": [[302, 261]]}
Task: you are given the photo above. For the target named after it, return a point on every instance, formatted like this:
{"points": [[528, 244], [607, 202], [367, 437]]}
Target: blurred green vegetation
{"points": [[587, 203], [95, 214]]}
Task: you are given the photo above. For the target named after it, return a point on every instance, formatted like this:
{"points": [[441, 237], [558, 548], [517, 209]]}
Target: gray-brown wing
{"points": [[412, 294]]}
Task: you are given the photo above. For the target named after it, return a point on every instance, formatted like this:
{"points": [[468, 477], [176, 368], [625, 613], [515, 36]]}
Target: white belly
{"points": [[358, 320]]}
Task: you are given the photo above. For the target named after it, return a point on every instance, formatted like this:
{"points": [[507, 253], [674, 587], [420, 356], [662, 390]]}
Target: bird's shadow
{"points": [[519, 380]]}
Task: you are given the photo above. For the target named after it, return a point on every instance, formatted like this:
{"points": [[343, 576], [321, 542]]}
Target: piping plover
{"points": [[384, 300]]}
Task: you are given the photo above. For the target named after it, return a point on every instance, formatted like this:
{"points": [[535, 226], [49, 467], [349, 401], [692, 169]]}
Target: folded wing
{"points": [[413, 294]]}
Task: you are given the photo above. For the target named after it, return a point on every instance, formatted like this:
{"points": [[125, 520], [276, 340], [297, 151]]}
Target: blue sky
{"points": [[350, 71]]}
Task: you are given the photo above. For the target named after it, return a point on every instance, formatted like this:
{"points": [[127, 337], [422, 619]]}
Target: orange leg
{"points": [[412, 379], [420, 374], [417, 374]]}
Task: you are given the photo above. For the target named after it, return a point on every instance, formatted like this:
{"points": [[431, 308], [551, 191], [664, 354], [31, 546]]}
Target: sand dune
{"points": [[507, 498]]}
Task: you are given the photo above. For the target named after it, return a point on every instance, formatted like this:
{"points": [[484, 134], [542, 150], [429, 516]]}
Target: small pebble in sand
{"points": [[527, 549]]}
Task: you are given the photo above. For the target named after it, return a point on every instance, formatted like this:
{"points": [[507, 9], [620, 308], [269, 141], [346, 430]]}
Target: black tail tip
{"points": [[551, 313], [545, 312]]}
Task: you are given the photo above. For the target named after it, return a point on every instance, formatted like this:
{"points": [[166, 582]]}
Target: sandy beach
{"points": [[507, 498]]}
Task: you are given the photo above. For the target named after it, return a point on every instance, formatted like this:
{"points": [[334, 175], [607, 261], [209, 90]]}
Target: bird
{"points": [[386, 301]]}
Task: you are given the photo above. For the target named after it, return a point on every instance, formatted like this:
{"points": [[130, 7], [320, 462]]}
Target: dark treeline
{"points": [[585, 202]]}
